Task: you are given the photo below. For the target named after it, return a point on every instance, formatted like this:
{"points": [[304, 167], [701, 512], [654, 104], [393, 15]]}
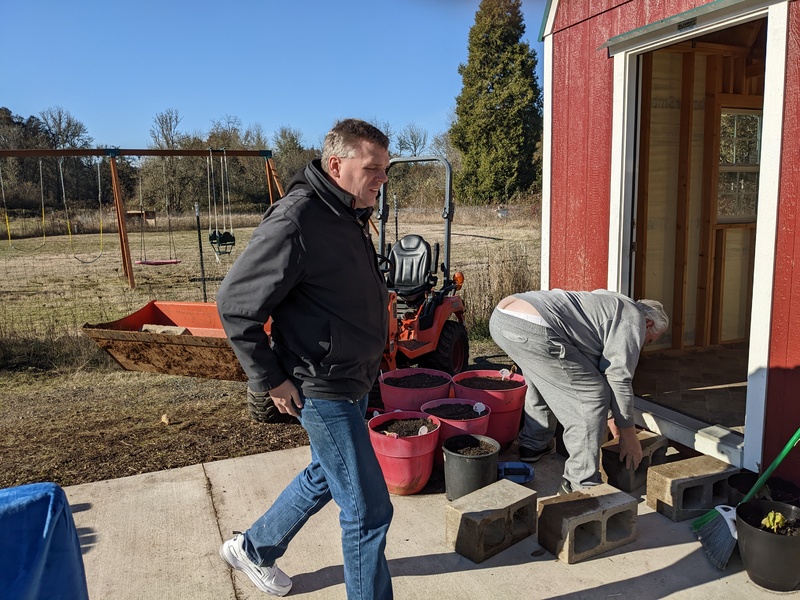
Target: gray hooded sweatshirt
{"points": [[606, 327]]}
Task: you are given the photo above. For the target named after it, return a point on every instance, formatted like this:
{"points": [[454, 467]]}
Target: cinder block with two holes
{"points": [[491, 519], [616, 474], [686, 489], [587, 522]]}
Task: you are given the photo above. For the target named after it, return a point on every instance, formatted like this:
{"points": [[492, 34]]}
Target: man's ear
{"points": [[648, 323], [334, 166]]}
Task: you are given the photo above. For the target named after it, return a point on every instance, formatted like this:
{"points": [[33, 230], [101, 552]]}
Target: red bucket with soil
{"points": [[409, 389], [505, 397], [459, 416], [405, 442]]}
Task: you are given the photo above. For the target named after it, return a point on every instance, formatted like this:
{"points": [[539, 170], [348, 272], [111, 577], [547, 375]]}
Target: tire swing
{"points": [[173, 253], [222, 241]]}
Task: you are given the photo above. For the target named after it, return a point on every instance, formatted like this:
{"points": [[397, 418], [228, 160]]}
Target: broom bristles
{"points": [[714, 533], [698, 524]]}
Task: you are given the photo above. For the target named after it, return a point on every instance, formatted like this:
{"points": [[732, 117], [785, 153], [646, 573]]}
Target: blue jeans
{"points": [[343, 467]]}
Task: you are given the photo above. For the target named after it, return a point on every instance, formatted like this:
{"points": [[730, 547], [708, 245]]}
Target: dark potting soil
{"points": [[791, 528], [455, 412], [416, 381], [482, 449], [405, 427], [486, 382]]}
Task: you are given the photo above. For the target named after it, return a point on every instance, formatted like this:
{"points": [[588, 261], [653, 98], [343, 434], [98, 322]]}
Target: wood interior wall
{"points": [[709, 280]]}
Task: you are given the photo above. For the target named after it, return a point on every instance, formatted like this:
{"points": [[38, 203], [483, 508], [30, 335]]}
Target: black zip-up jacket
{"points": [[311, 266]]}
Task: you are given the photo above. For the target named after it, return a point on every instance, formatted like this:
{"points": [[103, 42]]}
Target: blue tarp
{"points": [[40, 555]]}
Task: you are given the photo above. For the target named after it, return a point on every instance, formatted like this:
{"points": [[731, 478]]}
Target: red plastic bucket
{"points": [[399, 398], [406, 462], [506, 405], [453, 427]]}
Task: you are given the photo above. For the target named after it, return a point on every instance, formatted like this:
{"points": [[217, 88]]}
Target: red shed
{"points": [[671, 171]]}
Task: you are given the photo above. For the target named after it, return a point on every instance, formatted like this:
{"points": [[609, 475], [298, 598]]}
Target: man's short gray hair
{"points": [[345, 136], [654, 310]]}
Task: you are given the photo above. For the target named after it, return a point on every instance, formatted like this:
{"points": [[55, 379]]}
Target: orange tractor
{"points": [[426, 324]]}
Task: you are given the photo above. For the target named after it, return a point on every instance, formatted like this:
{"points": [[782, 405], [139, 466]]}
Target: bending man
{"points": [[578, 352]]}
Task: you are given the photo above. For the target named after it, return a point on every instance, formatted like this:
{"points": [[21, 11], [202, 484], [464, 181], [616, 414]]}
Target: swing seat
{"points": [[222, 242], [172, 261]]}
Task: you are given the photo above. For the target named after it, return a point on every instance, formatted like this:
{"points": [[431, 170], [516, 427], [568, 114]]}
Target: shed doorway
{"points": [[699, 145]]}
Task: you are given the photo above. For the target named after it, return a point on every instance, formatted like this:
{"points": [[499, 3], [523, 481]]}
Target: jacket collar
{"points": [[335, 197]]}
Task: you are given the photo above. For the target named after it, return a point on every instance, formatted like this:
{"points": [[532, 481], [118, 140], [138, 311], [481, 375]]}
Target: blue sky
{"points": [[297, 63]]}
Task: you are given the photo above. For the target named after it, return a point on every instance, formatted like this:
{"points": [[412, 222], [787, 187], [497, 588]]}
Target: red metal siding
{"points": [[783, 381], [580, 181], [581, 124]]}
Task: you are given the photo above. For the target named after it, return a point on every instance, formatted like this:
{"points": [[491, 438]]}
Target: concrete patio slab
{"points": [[156, 536]]}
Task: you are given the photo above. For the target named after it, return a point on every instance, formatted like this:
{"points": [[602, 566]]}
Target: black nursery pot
{"points": [[739, 484], [771, 560]]}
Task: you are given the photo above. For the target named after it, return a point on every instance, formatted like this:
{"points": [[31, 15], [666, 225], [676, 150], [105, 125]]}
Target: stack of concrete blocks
{"points": [[687, 489], [491, 519], [616, 474], [586, 523]]}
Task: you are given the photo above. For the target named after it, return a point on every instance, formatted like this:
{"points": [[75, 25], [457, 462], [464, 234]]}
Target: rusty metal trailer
{"points": [[174, 338]]}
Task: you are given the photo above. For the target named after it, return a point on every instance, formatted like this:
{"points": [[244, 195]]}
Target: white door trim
{"points": [[623, 161]]}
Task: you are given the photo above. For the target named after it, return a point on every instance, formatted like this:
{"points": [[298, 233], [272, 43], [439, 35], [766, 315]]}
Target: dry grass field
{"points": [[69, 415]]}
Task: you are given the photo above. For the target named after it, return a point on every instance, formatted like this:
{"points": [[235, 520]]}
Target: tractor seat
{"points": [[410, 275]]}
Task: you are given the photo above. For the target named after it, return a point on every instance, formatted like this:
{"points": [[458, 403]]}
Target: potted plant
{"points": [[503, 392], [459, 416], [470, 463], [409, 389], [405, 442], [769, 543]]}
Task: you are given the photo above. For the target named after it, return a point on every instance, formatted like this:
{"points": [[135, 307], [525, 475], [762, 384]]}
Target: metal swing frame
{"points": [[113, 153]]}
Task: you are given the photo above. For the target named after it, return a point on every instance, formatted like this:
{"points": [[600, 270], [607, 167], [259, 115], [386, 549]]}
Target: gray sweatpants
{"points": [[563, 385]]}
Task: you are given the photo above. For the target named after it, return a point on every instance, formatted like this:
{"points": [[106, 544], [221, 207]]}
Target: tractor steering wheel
{"points": [[385, 264]]}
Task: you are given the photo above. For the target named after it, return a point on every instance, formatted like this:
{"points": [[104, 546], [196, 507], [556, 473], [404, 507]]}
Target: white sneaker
{"points": [[268, 579]]}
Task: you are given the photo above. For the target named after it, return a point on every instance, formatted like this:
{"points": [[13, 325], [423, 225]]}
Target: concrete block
{"points": [[616, 474], [586, 523], [687, 489], [491, 519]]}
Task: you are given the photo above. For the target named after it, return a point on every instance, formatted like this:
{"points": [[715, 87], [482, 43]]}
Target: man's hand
{"points": [[286, 398], [630, 450]]}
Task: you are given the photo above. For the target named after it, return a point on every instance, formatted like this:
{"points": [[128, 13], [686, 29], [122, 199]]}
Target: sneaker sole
{"points": [[236, 564]]}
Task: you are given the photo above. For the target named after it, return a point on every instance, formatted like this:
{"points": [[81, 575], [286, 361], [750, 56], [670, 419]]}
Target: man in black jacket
{"points": [[311, 267]]}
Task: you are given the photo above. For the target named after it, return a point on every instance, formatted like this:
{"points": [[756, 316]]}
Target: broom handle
{"points": [[763, 479]]}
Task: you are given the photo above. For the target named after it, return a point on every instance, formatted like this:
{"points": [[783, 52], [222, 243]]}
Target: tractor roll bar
{"points": [[447, 212]]}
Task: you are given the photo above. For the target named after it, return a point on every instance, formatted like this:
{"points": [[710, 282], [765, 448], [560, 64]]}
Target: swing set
{"points": [[66, 212], [222, 241], [5, 211], [173, 252]]}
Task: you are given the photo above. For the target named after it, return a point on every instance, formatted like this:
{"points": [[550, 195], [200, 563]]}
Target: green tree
{"points": [[64, 131], [290, 153], [498, 113]]}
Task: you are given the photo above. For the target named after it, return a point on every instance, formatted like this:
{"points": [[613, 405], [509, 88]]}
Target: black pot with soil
{"points": [[470, 463], [770, 546]]}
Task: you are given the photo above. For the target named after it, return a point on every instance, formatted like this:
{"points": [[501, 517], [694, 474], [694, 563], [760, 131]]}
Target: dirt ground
{"points": [[85, 426], [76, 426]]}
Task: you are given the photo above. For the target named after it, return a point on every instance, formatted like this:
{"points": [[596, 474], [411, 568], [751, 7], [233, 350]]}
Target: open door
{"points": [[699, 145]]}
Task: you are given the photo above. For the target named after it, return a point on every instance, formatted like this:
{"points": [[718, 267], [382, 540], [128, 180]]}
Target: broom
{"points": [[716, 529]]}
